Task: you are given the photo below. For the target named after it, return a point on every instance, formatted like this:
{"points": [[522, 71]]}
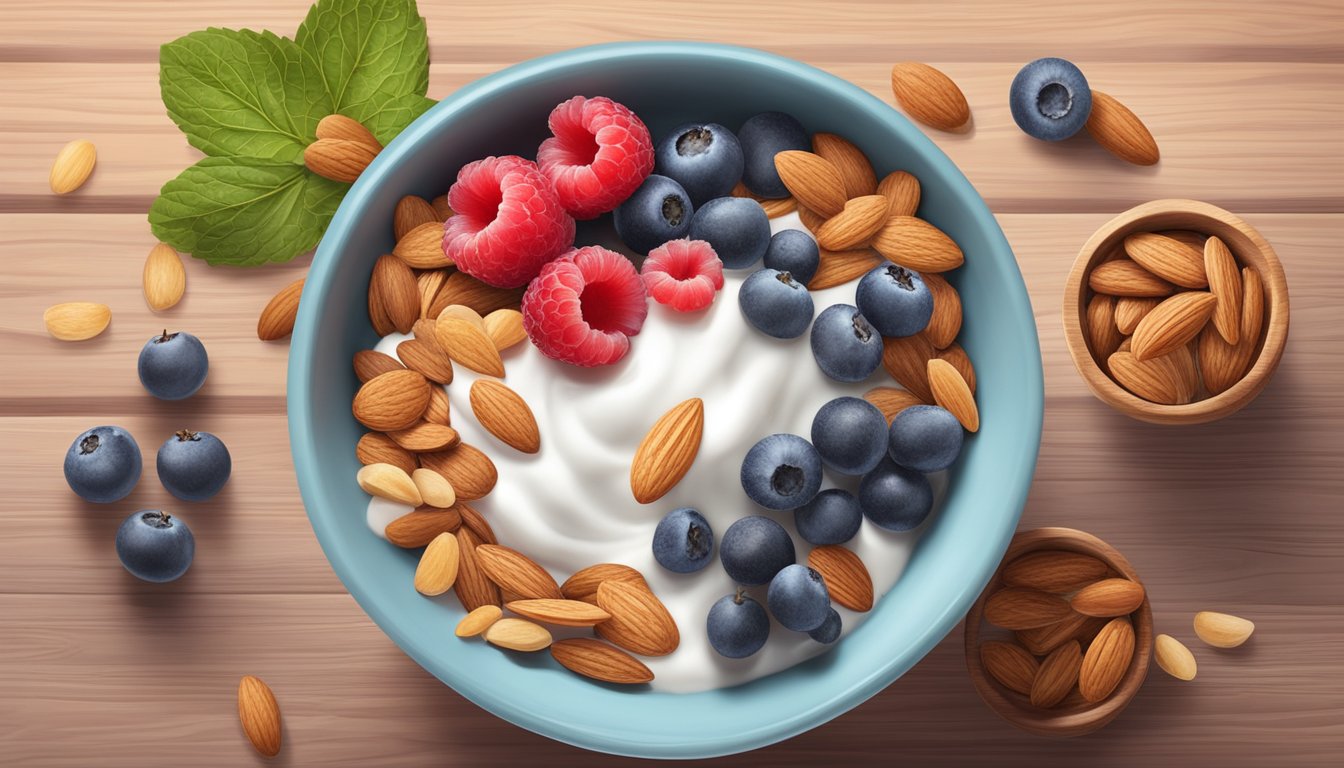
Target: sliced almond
{"points": [[412, 211], [667, 451], [916, 244], [392, 400], [467, 344], [639, 621], [416, 529], [845, 576], [164, 278], [1174, 658], [505, 328], [77, 320], [370, 363], [855, 224], [437, 569], [907, 358], [890, 400], [600, 661], [278, 316], [945, 323], [72, 166], [902, 192], [388, 482], [1172, 324], [1222, 630], [1225, 284], [840, 267], [479, 620], [812, 180], [422, 247], [471, 472], [565, 613], [378, 448], [1168, 258], [1012, 667], [518, 635], [951, 391], [434, 488]]}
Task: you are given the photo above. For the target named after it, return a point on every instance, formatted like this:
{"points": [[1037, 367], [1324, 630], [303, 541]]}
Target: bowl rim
{"points": [[817, 711]]}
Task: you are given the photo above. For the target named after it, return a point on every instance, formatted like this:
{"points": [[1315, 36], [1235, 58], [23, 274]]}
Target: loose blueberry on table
{"points": [[194, 466], [103, 465], [1050, 99], [155, 546], [173, 366]]}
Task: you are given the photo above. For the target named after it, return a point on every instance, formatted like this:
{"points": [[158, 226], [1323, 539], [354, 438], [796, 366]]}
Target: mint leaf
{"points": [[243, 93], [244, 211], [372, 55]]}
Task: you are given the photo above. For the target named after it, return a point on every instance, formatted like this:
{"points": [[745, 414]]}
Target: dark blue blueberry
{"points": [[832, 517], [781, 471], [762, 137], [173, 365], [925, 438], [738, 626], [794, 252], [754, 549], [103, 464], [155, 546], [736, 227], [660, 210], [798, 598], [775, 303], [683, 541], [193, 466], [895, 300], [829, 631], [1050, 99], [850, 433], [895, 498], [846, 346], [704, 158]]}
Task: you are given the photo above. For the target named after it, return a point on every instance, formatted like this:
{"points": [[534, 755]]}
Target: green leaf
{"points": [[243, 93], [372, 55], [244, 211]]}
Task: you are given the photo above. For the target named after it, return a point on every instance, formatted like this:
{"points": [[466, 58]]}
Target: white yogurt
{"points": [[570, 506]]}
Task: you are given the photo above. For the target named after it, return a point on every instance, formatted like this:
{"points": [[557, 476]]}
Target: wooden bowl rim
{"points": [[1219, 406], [1012, 706]]}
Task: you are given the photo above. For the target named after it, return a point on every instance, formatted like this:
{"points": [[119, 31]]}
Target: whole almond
{"points": [[429, 282], [479, 620], [1107, 659], [929, 96], [382, 324], [1021, 608], [338, 159], [1187, 371], [1054, 571], [76, 320], [72, 166], [1172, 324], [639, 621], [775, 208], [1108, 598], [471, 472], [1124, 277], [505, 328], [812, 180], [1225, 285], [840, 267], [389, 482], [165, 279], [565, 613], [1174, 658], [1220, 364], [855, 170], [1102, 333], [516, 572], [907, 358], [347, 129], [585, 581], [945, 323], [437, 410], [852, 227], [462, 312], [461, 288], [1252, 309], [518, 635], [476, 523], [1043, 640], [1057, 675], [371, 363], [1222, 630], [1168, 258], [951, 391], [890, 400], [468, 345], [504, 414], [426, 359], [902, 192], [957, 356], [278, 316], [1120, 131], [810, 218], [1129, 310], [378, 448], [437, 569], [1158, 380], [411, 212], [422, 247], [416, 529], [391, 401], [845, 576], [916, 244], [441, 207], [1012, 667], [259, 714], [600, 661], [435, 490], [473, 588], [395, 285], [667, 451]]}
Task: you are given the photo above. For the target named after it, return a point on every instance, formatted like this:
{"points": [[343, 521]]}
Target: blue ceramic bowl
{"points": [[666, 83]]}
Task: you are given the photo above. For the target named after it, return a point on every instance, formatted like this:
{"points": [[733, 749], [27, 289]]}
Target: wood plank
{"points": [[1208, 118]]}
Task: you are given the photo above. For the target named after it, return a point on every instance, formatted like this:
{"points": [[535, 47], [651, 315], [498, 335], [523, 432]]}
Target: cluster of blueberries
{"points": [[103, 465]]}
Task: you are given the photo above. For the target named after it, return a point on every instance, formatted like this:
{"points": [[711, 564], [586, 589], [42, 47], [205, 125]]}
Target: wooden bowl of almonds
{"points": [[1060, 641], [1176, 312]]}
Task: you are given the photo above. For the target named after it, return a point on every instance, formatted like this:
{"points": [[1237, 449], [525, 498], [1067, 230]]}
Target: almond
{"points": [[907, 358], [929, 96], [77, 320], [840, 267], [392, 400], [855, 170], [416, 529], [585, 581], [338, 159], [1252, 309], [462, 312], [1102, 333], [1021, 608], [890, 400], [916, 244], [504, 414], [473, 588], [426, 359], [1222, 630], [461, 288], [505, 328], [1158, 380], [422, 247], [1108, 597], [259, 714], [473, 521], [165, 279], [1012, 667], [1120, 131], [600, 661], [435, 490], [1172, 324], [437, 569], [945, 323], [565, 613], [516, 572], [471, 472], [278, 316], [812, 180], [1174, 658], [1043, 640], [478, 620], [429, 283], [1124, 277], [394, 285], [957, 356], [1057, 675], [370, 364], [1168, 258], [667, 451], [1225, 285], [845, 576], [1129, 310], [72, 166], [855, 224], [347, 129], [951, 391], [388, 482], [437, 410], [1107, 659], [811, 219], [468, 345], [902, 192], [441, 207], [517, 635], [1220, 364], [378, 448], [779, 207], [412, 211], [639, 622], [1054, 571]]}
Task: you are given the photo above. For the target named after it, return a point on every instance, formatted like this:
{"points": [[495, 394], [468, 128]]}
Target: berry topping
{"points": [[507, 221], [683, 274], [584, 307], [600, 153]]}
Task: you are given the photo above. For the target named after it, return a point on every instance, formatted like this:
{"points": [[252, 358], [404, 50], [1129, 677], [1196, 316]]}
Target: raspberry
{"points": [[507, 221], [683, 274], [599, 154], [584, 307]]}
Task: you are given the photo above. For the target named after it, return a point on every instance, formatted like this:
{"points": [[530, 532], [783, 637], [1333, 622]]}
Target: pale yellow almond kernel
{"points": [[1222, 630], [518, 635], [77, 320], [505, 328], [479, 620], [389, 482], [72, 166], [165, 279], [1174, 658], [463, 312], [437, 570], [435, 490]]}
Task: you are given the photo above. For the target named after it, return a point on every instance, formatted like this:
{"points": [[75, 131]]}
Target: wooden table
{"points": [[96, 668]]}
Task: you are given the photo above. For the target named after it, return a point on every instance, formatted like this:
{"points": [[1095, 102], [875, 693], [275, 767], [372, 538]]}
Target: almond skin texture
{"points": [[471, 472], [1220, 364], [72, 166], [517, 573], [412, 211], [1174, 658], [425, 437], [1252, 307], [855, 170], [585, 581], [1106, 660], [812, 180], [945, 323], [916, 244], [429, 283], [1020, 608], [378, 448], [1012, 667], [462, 312], [1053, 571], [422, 247], [840, 267], [416, 529], [277, 318], [1108, 597], [780, 207], [667, 451], [639, 622], [347, 129], [426, 359], [845, 575], [394, 285], [461, 288], [505, 328], [391, 401], [600, 661], [1129, 310], [1158, 380], [338, 159], [165, 279], [260, 715], [1225, 285], [902, 192], [1168, 258], [467, 343], [504, 414], [1172, 324], [518, 635], [1222, 630], [437, 569], [951, 391], [1102, 333], [77, 320], [565, 613], [1120, 131], [370, 364], [1043, 640], [1124, 277], [906, 359], [890, 400], [473, 588], [1057, 675], [929, 96], [855, 224], [477, 621], [388, 482], [473, 521], [957, 356]]}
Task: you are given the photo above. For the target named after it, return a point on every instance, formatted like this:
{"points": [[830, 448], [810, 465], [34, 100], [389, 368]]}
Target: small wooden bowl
{"points": [[1074, 716], [1249, 248]]}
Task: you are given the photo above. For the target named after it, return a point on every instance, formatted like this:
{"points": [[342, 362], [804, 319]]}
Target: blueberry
{"points": [[660, 210], [736, 227], [704, 158], [762, 137], [798, 598], [193, 466], [850, 433], [781, 471], [832, 517], [103, 464], [1050, 99], [846, 346], [794, 252], [683, 541], [754, 549], [895, 300], [155, 546], [775, 303], [738, 626], [925, 438], [173, 365], [829, 631], [895, 498]]}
